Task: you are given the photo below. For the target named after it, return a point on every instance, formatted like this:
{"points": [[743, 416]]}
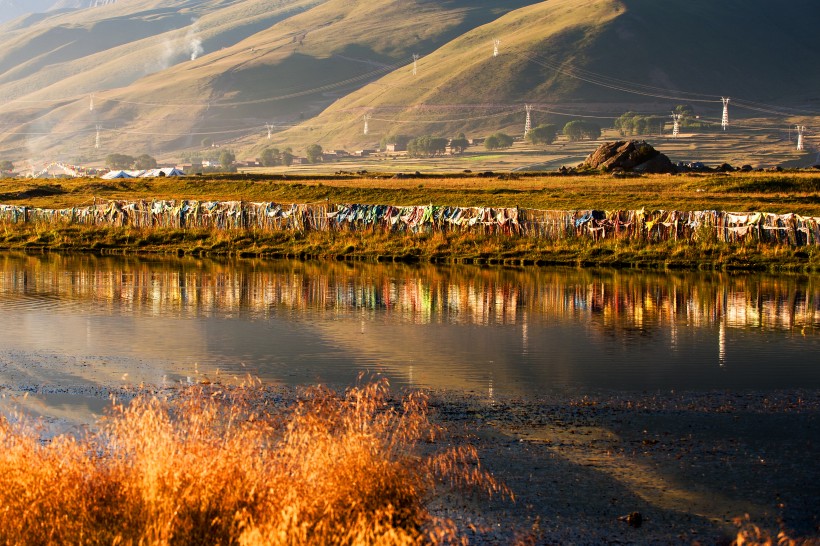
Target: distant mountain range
{"points": [[159, 76], [11, 9]]}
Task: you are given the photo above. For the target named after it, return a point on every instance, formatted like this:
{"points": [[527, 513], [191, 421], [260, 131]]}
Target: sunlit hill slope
{"points": [[167, 75]]}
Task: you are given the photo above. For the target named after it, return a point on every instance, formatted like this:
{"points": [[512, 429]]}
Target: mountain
{"points": [[159, 76], [593, 57]]}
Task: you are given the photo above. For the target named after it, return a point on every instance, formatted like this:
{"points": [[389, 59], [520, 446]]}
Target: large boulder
{"points": [[630, 156]]}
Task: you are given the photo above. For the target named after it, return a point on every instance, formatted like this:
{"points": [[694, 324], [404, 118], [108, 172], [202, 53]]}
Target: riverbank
{"points": [[440, 248], [636, 468], [770, 192]]}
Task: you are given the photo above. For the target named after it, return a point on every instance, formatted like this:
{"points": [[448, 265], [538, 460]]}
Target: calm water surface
{"points": [[82, 320]]}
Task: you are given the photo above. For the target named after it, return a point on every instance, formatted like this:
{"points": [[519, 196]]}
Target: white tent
{"points": [[165, 171], [116, 174]]}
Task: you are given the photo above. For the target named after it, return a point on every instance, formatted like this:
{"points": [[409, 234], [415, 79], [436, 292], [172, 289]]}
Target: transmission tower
{"points": [[676, 124], [496, 43], [269, 127], [366, 123], [97, 138], [724, 121], [801, 129], [528, 124], [415, 64], [91, 103]]}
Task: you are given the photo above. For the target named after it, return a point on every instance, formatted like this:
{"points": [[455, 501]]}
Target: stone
{"points": [[629, 155]]}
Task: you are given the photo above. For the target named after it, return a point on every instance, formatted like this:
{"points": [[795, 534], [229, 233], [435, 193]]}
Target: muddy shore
{"points": [[688, 463]]}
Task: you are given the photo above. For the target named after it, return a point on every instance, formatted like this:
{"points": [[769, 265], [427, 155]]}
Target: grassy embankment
{"points": [[769, 192]]}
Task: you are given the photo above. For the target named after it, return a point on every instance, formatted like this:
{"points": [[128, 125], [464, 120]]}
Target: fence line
{"points": [[660, 225]]}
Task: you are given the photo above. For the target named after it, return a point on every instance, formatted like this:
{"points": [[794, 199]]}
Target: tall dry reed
{"points": [[217, 465]]}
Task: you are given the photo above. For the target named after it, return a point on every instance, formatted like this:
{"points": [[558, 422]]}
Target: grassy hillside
{"points": [[50, 64], [317, 66], [288, 70], [578, 56]]}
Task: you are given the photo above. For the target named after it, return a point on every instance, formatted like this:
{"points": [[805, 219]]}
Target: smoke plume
{"points": [[193, 45]]}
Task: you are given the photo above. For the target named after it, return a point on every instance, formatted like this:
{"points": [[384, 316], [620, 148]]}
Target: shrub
{"points": [[212, 464]]}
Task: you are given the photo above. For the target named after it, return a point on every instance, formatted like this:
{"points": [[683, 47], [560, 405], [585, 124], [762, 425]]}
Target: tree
{"points": [[631, 123], [207, 142], [6, 166], [400, 141], [577, 130], [459, 144], [427, 146], [119, 161], [287, 157], [314, 153], [226, 159], [543, 134], [145, 162], [271, 157], [497, 141]]}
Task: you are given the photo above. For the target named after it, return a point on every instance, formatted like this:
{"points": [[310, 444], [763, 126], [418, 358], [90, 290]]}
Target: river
{"points": [[74, 320]]}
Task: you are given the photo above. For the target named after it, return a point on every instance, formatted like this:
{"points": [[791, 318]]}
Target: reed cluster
{"points": [[750, 534], [217, 465]]}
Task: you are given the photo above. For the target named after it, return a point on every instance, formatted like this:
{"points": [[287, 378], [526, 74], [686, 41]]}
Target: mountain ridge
{"points": [[189, 71]]}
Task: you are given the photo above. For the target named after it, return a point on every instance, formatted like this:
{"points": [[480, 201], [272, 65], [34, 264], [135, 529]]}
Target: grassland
{"points": [[797, 192]]}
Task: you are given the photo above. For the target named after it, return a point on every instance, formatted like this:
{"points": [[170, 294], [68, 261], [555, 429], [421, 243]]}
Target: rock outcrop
{"points": [[630, 156]]}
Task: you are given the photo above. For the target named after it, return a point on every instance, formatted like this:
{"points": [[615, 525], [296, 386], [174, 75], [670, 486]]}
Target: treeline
{"points": [[633, 123]]}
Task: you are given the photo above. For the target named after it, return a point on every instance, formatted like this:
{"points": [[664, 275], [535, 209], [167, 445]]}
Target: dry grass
{"points": [[797, 192], [752, 535], [222, 465]]}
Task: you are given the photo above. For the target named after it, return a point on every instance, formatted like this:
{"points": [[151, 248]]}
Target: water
{"points": [[85, 320]]}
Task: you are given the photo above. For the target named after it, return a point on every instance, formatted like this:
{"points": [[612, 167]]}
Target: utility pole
{"points": [[676, 124], [801, 129], [496, 43], [724, 122], [367, 123], [415, 63], [97, 139], [528, 124], [269, 127]]}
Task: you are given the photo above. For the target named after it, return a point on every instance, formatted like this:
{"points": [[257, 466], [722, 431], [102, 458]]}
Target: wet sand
{"points": [[689, 464]]}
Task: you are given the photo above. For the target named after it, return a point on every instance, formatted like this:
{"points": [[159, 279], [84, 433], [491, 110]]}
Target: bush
{"points": [[222, 465]]}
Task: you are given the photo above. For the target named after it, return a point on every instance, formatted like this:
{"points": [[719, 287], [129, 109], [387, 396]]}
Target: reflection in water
{"points": [[487, 329]]}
